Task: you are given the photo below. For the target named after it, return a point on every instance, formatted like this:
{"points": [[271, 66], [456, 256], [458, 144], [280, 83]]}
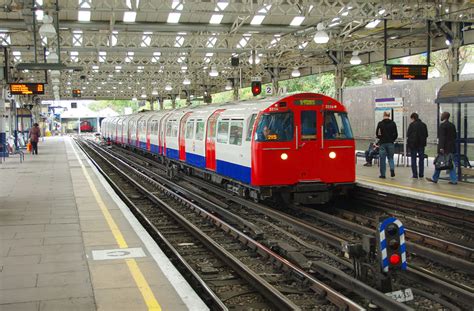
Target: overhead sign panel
{"points": [[407, 72], [26, 88]]}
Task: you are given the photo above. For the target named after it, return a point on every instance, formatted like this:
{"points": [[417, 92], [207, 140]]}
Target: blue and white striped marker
{"points": [[383, 243]]}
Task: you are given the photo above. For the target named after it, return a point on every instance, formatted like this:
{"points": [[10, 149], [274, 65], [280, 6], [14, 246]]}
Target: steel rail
{"points": [[268, 291]]}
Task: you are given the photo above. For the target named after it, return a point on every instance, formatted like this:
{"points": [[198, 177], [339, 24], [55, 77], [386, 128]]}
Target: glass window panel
{"points": [[337, 126], [275, 127], [223, 132], [250, 126], [308, 125], [236, 132], [199, 130], [190, 129]]}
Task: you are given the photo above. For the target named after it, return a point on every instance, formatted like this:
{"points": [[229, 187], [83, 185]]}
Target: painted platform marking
{"points": [[137, 275], [418, 190], [119, 253]]}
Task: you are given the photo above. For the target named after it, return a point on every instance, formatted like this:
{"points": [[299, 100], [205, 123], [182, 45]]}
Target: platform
{"points": [[69, 243], [459, 196]]}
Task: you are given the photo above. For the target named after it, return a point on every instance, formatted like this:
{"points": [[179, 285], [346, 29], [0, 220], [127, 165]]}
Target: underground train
{"points": [[299, 148]]}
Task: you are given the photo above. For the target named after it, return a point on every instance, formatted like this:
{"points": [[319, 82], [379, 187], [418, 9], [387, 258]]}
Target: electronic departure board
{"points": [[76, 93], [27, 88], [407, 72]]}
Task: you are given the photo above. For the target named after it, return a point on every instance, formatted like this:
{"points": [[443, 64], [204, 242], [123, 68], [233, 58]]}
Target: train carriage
{"points": [[299, 147]]}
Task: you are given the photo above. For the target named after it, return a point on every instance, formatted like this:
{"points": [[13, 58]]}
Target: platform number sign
{"points": [[391, 245], [268, 90]]}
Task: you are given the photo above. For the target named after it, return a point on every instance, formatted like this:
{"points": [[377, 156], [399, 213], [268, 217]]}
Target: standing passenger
{"points": [[416, 141], [446, 146], [35, 134], [387, 134]]}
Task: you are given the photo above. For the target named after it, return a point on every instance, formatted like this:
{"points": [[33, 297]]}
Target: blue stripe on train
{"points": [[235, 171], [195, 160], [143, 145], [172, 153], [154, 149]]}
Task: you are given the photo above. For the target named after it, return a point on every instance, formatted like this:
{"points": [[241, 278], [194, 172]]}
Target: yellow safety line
{"points": [[417, 189], [137, 275]]}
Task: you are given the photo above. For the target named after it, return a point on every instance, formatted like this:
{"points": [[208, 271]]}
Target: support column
{"points": [[453, 54], [3, 135], [161, 102], [275, 80], [339, 75], [235, 85], [173, 101], [152, 102]]}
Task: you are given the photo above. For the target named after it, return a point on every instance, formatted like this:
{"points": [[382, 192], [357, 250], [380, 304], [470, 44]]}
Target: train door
{"points": [[307, 141], [211, 140], [182, 138], [162, 134]]}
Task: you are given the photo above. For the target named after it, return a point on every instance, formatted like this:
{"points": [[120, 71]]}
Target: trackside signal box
{"points": [[391, 245], [256, 88]]}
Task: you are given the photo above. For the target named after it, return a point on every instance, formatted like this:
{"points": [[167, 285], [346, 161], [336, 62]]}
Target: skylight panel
{"points": [[177, 5], [140, 69], [243, 42], [173, 17], [77, 38], [113, 38], [146, 39], [265, 9], [16, 56], [129, 16], [156, 57], [5, 39], [222, 5], [257, 20], [216, 19], [129, 57], [44, 40], [211, 42], [83, 4], [179, 41], [102, 56], [303, 45], [373, 24], [181, 59], [297, 20], [39, 15], [84, 16], [74, 55]]}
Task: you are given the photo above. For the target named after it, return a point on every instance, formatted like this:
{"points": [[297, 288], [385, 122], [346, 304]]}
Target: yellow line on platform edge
{"points": [[140, 281], [417, 190]]}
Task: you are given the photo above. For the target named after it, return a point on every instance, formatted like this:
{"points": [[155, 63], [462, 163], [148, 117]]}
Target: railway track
{"points": [[270, 280], [436, 282]]}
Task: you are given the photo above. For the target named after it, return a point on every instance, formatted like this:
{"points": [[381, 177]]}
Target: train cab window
{"points": [[308, 125], [236, 132], [223, 132], [275, 127], [190, 129], [250, 127], [199, 129], [337, 126]]}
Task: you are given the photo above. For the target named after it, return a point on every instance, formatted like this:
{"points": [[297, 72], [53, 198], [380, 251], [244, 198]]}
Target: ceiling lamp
{"points": [[257, 59], [213, 72], [355, 59], [228, 86], [168, 87], [321, 36], [154, 92], [47, 29], [186, 81], [295, 73]]}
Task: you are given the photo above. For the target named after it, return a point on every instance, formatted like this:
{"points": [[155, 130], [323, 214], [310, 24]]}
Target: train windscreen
{"points": [[337, 126], [275, 127]]}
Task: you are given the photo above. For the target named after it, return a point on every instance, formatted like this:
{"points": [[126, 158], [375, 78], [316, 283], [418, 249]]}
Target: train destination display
{"points": [[407, 72], [27, 88]]}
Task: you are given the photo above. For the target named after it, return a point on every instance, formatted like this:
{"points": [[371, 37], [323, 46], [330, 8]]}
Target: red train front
{"points": [[303, 149]]}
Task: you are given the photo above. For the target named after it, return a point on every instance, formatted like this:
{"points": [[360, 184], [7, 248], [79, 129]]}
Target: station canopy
{"points": [[152, 48]]}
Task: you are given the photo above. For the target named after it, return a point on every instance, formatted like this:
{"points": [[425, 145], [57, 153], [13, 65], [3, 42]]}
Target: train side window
{"points": [[199, 130], [236, 131], [169, 125], [308, 124], [250, 127], [174, 129], [223, 131], [337, 126], [190, 129]]}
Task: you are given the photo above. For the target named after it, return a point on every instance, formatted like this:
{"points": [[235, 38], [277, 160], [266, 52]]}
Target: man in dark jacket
{"points": [[446, 146], [416, 141], [387, 134]]}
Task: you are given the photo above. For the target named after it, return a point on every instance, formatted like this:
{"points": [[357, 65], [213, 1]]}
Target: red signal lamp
{"points": [[256, 88], [394, 259]]}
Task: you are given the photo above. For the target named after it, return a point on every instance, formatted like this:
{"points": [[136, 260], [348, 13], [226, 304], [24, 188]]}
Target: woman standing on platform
{"points": [[35, 134]]}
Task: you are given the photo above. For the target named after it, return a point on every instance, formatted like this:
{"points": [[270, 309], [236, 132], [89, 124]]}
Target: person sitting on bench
{"points": [[371, 153]]}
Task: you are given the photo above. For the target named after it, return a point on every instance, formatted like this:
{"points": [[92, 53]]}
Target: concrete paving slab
{"points": [[20, 260], [73, 304], [62, 278], [17, 281], [45, 293], [25, 306]]}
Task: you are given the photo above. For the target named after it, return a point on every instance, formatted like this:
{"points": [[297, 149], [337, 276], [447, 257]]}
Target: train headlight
{"points": [[332, 155], [284, 156]]}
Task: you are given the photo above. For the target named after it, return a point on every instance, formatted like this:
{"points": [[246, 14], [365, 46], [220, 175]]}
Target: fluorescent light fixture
{"points": [[186, 81], [355, 59], [129, 16], [134, 99], [174, 17], [373, 24], [257, 20], [382, 12], [213, 72], [216, 19], [168, 87], [321, 36], [345, 13], [143, 96], [297, 20], [448, 42], [154, 92], [84, 16], [39, 15], [295, 73]]}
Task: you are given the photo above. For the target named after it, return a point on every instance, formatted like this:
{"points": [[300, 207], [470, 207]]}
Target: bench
{"points": [[362, 155]]}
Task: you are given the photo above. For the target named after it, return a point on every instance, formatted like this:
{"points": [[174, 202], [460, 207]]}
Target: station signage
{"points": [[26, 88], [407, 72]]}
